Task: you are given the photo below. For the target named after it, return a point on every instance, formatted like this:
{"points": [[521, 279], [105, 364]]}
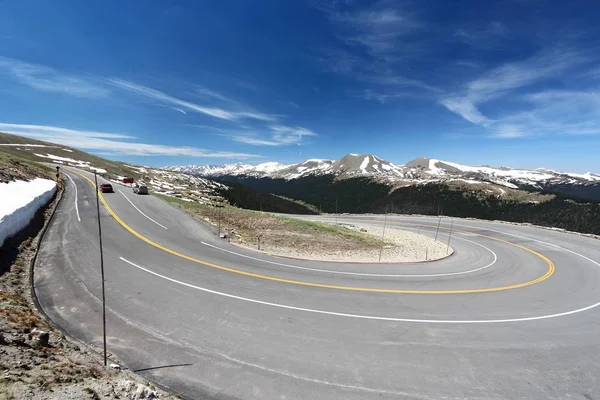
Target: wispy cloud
{"points": [[215, 112], [378, 40], [211, 94], [278, 136], [465, 108], [513, 79], [377, 29], [50, 80], [179, 110], [484, 36], [112, 142], [552, 113]]}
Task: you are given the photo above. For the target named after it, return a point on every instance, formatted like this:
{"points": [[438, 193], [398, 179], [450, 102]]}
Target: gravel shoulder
{"points": [[37, 361]]}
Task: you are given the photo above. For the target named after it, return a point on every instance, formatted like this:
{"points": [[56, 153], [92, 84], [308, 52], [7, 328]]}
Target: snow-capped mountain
{"points": [[419, 170], [349, 165], [505, 176]]}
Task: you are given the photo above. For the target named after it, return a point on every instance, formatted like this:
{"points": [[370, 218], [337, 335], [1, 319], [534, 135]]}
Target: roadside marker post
{"points": [[438, 228], [101, 267], [219, 221], [449, 236], [383, 234]]}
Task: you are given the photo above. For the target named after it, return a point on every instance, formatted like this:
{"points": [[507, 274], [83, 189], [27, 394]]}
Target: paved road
{"points": [[514, 313]]}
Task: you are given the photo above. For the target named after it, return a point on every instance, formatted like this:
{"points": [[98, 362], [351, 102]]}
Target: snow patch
{"points": [[72, 162], [20, 202], [24, 145], [363, 165], [434, 169]]}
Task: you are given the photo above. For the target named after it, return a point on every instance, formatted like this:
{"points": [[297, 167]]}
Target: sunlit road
{"points": [[513, 313]]}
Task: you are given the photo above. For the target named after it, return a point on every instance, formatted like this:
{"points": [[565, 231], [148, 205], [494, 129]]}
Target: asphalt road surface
{"points": [[513, 313]]}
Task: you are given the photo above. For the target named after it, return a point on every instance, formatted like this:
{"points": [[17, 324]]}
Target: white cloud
{"points": [[378, 41], [102, 141], [49, 80], [542, 117], [511, 76], [466, 109], [552, 113], [377, 29], [279, 136], [179, 110], [215, 112], [206, 92]]}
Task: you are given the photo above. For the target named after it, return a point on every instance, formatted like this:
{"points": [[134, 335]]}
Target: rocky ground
{"points": [[36, 360]]}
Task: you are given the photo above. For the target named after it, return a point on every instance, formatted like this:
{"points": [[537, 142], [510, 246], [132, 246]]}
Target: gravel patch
{"points": [[399, 246]]}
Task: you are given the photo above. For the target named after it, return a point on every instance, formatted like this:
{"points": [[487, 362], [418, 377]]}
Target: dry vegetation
{"points": [[248, 227], [13, 168]]}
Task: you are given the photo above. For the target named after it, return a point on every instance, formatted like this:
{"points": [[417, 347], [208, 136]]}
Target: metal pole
{"points": [[449, 236], [383, 234], [336, 210], [101, 267], [438, 228], [219, 221]]}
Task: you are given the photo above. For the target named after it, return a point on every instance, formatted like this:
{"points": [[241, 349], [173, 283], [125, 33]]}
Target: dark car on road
{"points": [[106, 188], [140, 189]]}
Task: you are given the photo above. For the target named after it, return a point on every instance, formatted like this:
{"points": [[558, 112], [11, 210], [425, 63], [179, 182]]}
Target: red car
{"points": [[106, 188]]}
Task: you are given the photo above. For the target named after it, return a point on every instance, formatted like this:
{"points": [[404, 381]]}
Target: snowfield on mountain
{"points": [[419, 170]]}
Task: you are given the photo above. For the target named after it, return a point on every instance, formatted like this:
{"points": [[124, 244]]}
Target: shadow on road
{"points": [[161, 367]]}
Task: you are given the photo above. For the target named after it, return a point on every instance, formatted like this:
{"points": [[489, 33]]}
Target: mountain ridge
{"points": [[418, 170]]}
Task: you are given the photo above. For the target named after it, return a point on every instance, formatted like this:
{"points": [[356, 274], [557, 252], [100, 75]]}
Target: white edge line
{"points": [[365, 274], [370, 317], [76, 206], [140, 211]]}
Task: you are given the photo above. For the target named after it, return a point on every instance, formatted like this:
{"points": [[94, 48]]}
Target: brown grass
{"points": [[249, 227]]}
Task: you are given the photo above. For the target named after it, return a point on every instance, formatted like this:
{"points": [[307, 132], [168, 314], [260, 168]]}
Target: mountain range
{"points": [[418, 171]]}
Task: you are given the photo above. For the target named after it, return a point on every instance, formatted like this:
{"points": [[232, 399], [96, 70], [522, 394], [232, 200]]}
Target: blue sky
{"points": [[511, 82]]}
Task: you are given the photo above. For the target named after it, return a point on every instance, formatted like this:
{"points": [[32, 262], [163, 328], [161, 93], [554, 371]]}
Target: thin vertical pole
{"points": [[336, 210], [101, 266], [449, 236], [383, 233], [219, 221], [438, 228]]}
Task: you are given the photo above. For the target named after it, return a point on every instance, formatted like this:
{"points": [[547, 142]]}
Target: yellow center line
{"points": [[321, 285]]}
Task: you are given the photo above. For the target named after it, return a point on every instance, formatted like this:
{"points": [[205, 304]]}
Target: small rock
{"points": [[363, 230], [144, 392], [126, 386], [2, 340], [116, 367], [19, 342], [43, 339]]}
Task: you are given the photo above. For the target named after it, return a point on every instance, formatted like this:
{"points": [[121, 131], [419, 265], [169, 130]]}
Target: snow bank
{"points": [[20, 201]]}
